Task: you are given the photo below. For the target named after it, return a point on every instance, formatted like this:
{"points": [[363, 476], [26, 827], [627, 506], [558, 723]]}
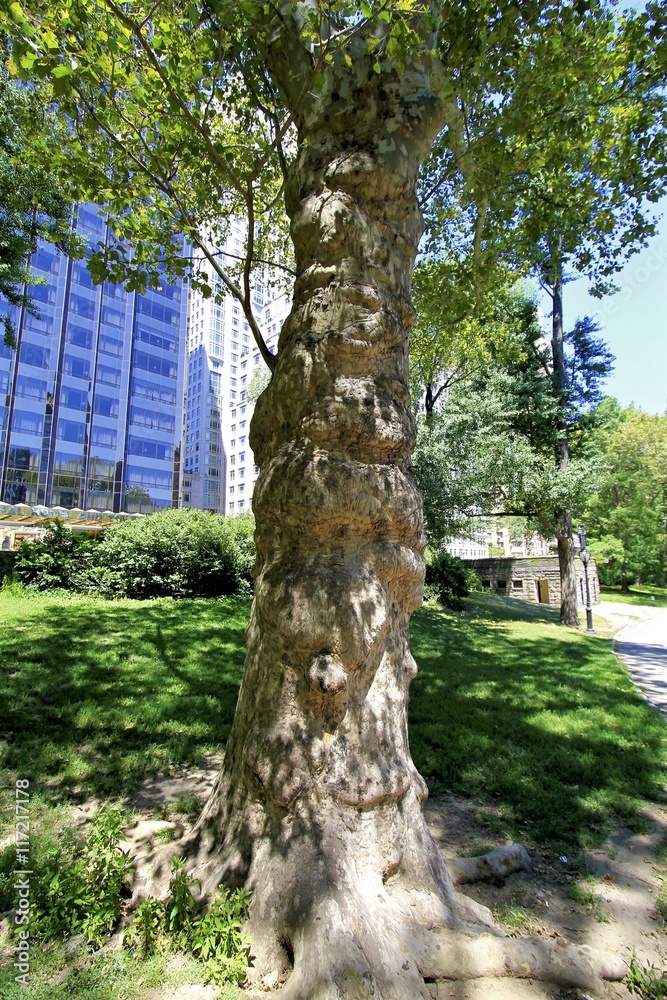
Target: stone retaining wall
{"points": [[535, 579]]}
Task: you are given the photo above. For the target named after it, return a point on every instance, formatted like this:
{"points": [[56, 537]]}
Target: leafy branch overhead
{"points": [[33, 204], [177, 125]]}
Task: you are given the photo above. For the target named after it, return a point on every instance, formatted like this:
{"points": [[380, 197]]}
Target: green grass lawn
{"points": [[537, 721], [535, 718], [95, 695], [508, 706], [639, 594]]}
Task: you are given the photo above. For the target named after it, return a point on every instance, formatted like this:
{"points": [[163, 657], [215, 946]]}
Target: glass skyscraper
{"points": [[91, 399]]}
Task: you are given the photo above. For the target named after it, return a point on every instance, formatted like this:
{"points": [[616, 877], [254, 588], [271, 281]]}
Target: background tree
{"points": [[180, 113], [627, 516], [491, 450], [551, 169], [459, 327]]}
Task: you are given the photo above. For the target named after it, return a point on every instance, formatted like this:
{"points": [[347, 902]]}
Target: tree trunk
{"points": [[318, 806], [569, 605], [569, 599]]}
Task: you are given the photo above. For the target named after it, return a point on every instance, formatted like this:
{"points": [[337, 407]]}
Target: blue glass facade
{"points": [[91, 400]]}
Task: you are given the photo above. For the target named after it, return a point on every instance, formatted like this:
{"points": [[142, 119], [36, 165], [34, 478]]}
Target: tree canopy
{"points": [[491, 449], [627, 515]]}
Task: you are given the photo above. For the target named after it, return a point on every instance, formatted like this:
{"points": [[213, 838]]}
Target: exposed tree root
{"points": [[373, 949], [353, 934], [496, 865]]}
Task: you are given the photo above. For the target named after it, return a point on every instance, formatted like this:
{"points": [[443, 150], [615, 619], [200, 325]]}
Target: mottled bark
{"points": [[319, 802], [569, 605], [318, 807]]}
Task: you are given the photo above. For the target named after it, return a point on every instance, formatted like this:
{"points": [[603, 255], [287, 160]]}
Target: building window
{"points": [[241, 505], [487, 584], [502, 584], [517, 584]]}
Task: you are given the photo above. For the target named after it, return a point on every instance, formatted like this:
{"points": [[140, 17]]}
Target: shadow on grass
{"points": [[539, 720], [96, 695]]}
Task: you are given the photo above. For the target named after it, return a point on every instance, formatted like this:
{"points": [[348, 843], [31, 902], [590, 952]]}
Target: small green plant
{"points": [[167, 834], [188, 806], [84, 894], [180, 906], [513, 916], [584, 897], [218, 940], [214, 936], [646, 981], [145, 930]]}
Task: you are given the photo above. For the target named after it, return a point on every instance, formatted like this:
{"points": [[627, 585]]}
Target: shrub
{"points": [[177, 553], [61, 558], [447, 576], [6, 564]]}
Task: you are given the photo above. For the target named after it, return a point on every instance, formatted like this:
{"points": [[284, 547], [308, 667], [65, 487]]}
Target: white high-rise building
{"points": [[219, 471], [241, 471]]}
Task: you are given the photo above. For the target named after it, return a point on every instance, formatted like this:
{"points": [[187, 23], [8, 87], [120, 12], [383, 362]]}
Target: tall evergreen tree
{"points": [[495, 448]]}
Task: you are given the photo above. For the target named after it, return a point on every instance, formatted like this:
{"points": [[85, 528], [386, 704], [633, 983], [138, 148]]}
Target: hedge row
{"points": [[175, 553]]}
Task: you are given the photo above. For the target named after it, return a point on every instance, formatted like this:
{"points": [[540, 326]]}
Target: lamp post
{"points": [[585, 558]]}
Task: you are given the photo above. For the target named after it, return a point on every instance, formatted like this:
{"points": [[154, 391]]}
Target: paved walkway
{"points": [[642, 645]]}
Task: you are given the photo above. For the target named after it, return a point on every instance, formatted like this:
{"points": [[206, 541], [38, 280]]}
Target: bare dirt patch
{"points": [[614, 908], [615, 888]]}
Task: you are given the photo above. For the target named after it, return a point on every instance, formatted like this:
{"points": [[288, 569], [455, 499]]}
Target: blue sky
{"points": [[633, 322]]}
